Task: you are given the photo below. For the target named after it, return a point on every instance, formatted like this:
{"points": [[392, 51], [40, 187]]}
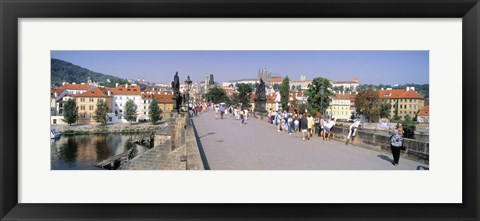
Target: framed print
{"points": [[239, 110]]}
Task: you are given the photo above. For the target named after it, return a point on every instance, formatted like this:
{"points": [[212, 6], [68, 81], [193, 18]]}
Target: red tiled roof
{"points": [[75, 86], [163, 98], [344, 96], [425, 111], [129, 90], [395, 94], [94, 92], [56, 90], [275, 79]]}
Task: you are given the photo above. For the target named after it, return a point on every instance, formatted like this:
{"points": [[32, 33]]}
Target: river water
{"points": [[80, 152]]}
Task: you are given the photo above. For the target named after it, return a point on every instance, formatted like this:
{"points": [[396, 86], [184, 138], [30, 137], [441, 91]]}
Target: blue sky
{"points": [[370, 67]]}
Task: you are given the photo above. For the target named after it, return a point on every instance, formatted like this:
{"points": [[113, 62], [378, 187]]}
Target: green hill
{"points": [[62, 71]]}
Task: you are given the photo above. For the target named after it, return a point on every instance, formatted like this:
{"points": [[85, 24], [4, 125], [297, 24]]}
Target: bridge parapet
{"points": [[175, 148], [415, 150]]}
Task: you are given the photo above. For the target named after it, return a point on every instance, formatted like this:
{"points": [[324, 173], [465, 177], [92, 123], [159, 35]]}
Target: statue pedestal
{"points": [[261, 115]]}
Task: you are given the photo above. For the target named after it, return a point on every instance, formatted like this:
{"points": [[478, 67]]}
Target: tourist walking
{"points": [[352, 130], [396, 143], [289, 125], [304, 126], [242, 117], [222, 111], [296, 123], [309, 125], [217, 110]]}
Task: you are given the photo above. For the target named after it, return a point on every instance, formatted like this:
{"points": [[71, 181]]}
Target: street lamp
{"points": [[188, 83], [321, 90]]}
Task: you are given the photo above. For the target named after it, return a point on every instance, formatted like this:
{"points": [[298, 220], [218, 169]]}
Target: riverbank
{"points": [[120, 128]]}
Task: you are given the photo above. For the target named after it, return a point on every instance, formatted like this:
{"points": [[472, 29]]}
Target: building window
{"points": [[82, 99], [410, 106], [91, 99], [145, 113], [82, 107], [90, 107]]}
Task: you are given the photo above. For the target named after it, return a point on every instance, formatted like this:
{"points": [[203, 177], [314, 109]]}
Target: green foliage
{"points": [[101, 112], [70, 112], [276, 87], [284, 92], [154, 112], [233, 100], [408, 127], [368, 103], [216, 95], [316, 101], [244, 92], [62, 71], [306, 108], [385, 109], [130, 111], [338, 88], [299, 87]]}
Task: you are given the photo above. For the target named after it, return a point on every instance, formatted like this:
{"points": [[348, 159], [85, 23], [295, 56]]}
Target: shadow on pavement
{"points": [[200, 147], [383, 157], [211, 133]]}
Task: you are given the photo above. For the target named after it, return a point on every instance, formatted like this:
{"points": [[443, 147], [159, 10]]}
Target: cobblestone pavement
{"points": [[228, 145]]}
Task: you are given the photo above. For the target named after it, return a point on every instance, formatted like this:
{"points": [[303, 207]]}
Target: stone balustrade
{"points": [[415, 149]]}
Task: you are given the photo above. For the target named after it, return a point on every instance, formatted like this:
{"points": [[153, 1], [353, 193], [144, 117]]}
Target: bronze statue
{"points": [[260, 98], [177, 99]]}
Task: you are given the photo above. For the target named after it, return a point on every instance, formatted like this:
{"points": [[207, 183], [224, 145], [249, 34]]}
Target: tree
{"points": [[101, 112], [233, 100], [385, 109], [70, 112], [244, 92], [216, 95], [368, 104], [154, 112], [130, 111], [409, 127], [299, 87], [316, 101], [292, 88], [284, 92]]}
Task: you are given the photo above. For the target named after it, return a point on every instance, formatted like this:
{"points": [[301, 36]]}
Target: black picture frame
{"points": [[11, 11]]}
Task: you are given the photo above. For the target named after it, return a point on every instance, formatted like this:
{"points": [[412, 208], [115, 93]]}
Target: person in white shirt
{"points": [[327, 127], [246, 114], [353, 130], [217, 112]]}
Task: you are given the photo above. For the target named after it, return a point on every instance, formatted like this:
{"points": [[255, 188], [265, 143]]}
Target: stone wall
{"points": [[415, 150], [175, 148]]}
